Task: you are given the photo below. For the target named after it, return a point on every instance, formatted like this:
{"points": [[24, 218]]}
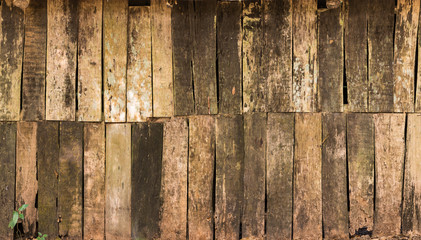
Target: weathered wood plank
{"points": [[389, 160], [118, 185], [229, 176], [34, 61], [334, 176], [173, 223], [139, 68], [94, 181], [360, 147], [201, 177], [61, 60], [229, 42], [307, 209], [162, 67], [279, 174], [254, 85], [115, 19], [418, 86], [278, 55], [146, 179], [89, 89], [304, 32]]}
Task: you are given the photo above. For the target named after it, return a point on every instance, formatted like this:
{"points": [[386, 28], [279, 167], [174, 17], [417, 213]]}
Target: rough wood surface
{"points": [[34, 61], [418, 73], [229, 176], [94, 181], [360, 147], [115, 19], [201, 177], [229, 43], [334, 176], [61, 60], [118, 185], [89, 89], [146, 180], [307, 209], [175, 152], [162, 67], [253, 213], [389, 161], [279, 174], [139, 68]]}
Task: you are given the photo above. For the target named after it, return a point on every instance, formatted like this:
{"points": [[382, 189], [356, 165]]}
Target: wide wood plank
{"points": [[61, 60], [34, 61], [89, 88], [94, 181], [279, 175], [115, 19], [139, 68], [389, 162], [201, 177]]}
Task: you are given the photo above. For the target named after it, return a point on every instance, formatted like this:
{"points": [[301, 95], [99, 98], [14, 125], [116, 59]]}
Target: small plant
{"points": [[41, 236], [16, 215]]}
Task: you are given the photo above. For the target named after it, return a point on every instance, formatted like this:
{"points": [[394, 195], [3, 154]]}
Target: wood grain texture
{"points": [[162, 67], [139, 65], [61, 60], [115, 19], [229, 56], [229, 176], [94, 181], [89, 88], [279, 175], [389, 162], [201, 177], [360, 147], [334, 176], [173, 224], [34, 61], [304, 85], [253, 213]]}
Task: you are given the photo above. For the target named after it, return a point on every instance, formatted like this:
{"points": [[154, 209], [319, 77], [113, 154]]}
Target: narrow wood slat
{"points": [[94, 181], [34, 61], [89, 88], [115, 19], [418, 66], [173, 223], [279, 175], [61, 60], [389, 162], [139, 68], [229, 176]]}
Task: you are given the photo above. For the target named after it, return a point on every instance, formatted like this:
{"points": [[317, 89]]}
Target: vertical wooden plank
{"points": [[115, 17], [229, 45], [173, 223], [139, 68], [229, 176], [89, 89], [304, 32], [279, 167], [201, 177], [118, 184], [253, 214], [162, 67], [94, 181], [418, 66], [61, 60], [26, 173], [389, 161], [360, 147], [48, 160], [7, 178], [334, 176], [34, 61], [254, 86], [278, 55], [146, 180]]}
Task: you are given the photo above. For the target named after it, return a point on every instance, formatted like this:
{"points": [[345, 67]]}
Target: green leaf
{"points": [[21, 216], [23, 207], [14, 220], [39, 234]]}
